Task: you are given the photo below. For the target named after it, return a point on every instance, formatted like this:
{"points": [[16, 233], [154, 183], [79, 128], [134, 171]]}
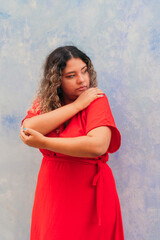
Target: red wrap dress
{"points": [[76, 198]]}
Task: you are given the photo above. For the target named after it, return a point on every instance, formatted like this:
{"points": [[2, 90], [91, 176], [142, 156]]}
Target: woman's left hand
{"points": [[32, 138]]}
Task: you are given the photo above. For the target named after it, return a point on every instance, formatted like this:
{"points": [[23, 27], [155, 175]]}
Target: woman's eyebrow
{"points": [[74, 71], [83, 67]]}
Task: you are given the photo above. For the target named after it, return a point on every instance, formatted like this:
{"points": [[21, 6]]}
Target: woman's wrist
{"points": [[78, 107], [44, 142]]}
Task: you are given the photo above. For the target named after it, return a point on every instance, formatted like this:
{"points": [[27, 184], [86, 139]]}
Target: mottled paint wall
{"points": [[123, 40]]}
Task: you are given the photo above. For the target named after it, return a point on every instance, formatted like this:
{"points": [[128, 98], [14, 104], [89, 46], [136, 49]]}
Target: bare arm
{"points": [[45, 123], [94, 144]]}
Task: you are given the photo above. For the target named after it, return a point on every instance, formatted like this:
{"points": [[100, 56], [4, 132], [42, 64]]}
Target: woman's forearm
{"points": [[94, 144], [77, 147], [45, 123], [83, 146]]}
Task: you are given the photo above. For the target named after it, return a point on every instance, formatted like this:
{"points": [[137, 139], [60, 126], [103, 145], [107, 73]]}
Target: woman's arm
{"points": [[94, 144], [45, 123]]}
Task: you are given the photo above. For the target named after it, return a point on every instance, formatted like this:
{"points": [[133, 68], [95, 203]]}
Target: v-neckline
{"points": [[65, 124], [62, 127]]}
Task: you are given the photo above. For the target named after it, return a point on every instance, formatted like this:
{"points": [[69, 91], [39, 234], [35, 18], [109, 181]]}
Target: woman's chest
{"points": [[74, 127]]}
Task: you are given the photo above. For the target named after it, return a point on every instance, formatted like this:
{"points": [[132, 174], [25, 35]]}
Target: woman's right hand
{"points": [[87, 97]]}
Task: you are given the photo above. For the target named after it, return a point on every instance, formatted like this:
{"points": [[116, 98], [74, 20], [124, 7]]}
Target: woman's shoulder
{"points": [[35, 106], [33, 110], [99, 103]]}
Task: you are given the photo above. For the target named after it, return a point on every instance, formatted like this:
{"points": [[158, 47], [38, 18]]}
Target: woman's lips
{"points": [[82, 88]]}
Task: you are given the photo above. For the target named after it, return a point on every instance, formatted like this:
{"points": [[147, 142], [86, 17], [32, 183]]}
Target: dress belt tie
{"points": [[97, 180]]}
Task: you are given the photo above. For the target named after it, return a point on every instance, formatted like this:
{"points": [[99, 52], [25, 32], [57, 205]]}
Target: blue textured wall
{"points": [[123, 40]]}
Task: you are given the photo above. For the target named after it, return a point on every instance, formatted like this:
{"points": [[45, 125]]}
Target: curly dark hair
{"points": [[49, 95]]}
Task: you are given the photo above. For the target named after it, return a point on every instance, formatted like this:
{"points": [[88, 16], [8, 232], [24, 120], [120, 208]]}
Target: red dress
{"points": [[76, 198]]}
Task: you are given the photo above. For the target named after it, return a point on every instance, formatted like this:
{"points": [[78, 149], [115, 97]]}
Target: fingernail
{"points": [[24, 128]]}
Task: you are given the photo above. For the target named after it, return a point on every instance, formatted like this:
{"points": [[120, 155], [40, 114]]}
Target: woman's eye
{"points": [[84, 71], [70, 76]]}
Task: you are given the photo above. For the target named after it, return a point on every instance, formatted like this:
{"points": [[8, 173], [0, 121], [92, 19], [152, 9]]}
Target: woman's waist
{"points": [[66, 158]]}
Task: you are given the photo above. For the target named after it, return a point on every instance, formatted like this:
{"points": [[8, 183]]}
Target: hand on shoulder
{"points": [[87, 97]]}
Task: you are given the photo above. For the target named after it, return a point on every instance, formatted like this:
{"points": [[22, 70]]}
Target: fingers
{"points": [[94, 89], [95, 93], [88, 96], [23, 135], [26, 136], [29, 131]]}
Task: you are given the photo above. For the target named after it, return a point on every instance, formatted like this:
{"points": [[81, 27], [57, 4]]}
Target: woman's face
{"points": [[75, 79]]}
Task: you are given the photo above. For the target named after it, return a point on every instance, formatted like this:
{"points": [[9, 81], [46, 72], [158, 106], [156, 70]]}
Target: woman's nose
{"points": [[80, 78]]}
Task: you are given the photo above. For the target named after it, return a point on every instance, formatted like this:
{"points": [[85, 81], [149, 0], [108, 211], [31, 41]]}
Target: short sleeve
{"points": [[33, 111], [99, 114]]}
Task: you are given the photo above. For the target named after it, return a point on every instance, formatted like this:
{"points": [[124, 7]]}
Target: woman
{"points": [[71, 123]]}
